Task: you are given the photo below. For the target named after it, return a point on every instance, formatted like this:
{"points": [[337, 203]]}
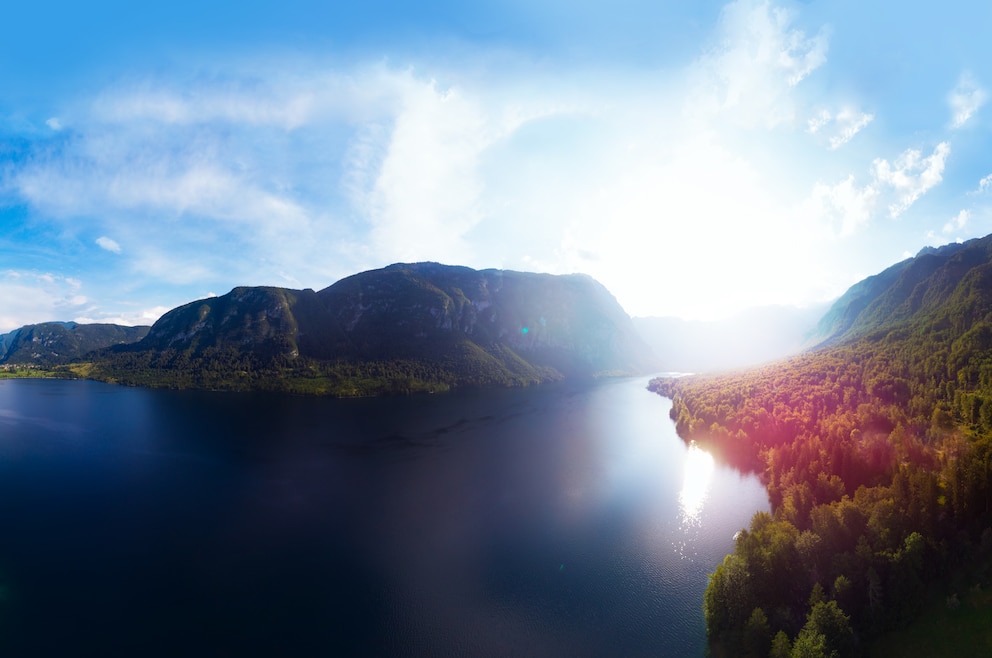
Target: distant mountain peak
{"points": [[54, 343]]}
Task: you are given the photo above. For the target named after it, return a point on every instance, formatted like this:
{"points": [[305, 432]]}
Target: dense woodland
{"points": [[236, 370], [877, 455]]}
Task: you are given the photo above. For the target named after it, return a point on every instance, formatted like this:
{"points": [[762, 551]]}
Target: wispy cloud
{"points": [[108, 244], [426, 181], [142, 317], [273, 98], [758, 57], [911, 175], [839, 128], [958, 222], [117, 170], [848, 207], [31, 297], [843, 205], [966, 98]]}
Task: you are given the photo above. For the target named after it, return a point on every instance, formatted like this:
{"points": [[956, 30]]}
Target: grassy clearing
{"points": [[84, 370], [15, 372]]}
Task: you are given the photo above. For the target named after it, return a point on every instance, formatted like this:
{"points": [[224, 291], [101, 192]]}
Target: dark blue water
{"points": [[564, 520]]}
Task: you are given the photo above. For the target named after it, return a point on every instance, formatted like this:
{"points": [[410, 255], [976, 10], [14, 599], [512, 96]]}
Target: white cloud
{"points": [[54, 124], [144, 317], [958, 222], [844, 207], [424, 195], [238, 166], [934, 239], [274, 102], [966, 98], [816, 122], [31, 297], [911, 175], [418, 181], [984, 185], [97, 181], [281, 94], [758, 59], [846, 124], [108, 244]]}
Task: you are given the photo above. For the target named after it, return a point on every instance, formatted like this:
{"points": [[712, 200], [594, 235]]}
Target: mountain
{"points": [[897, 293], [5, 342], [420, 326], [755, 336], [54, 343]]}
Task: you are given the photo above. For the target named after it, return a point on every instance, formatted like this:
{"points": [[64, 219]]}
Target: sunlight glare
{"points": [[696, 483]]}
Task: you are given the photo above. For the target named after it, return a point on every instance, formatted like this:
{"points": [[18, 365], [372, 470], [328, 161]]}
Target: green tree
{"points": [[781, 646], [828, 620], [727, 601], [757, 634], [811, 644]]}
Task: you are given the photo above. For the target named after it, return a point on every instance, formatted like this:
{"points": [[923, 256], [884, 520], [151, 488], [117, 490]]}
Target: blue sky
{"points": [[696, 158]]}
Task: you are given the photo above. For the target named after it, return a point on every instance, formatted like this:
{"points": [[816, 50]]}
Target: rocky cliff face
{"points": [[422, 311]]}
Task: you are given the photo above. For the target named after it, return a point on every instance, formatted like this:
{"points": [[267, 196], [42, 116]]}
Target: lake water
{"points": [[562, 520]]}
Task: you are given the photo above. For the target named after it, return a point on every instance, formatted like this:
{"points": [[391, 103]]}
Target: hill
{"points": [[876, 450], [53, 343], [403, 328], [897, 293]]}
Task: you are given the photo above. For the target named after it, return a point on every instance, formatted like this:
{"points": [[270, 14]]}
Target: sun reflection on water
{"points": [[698, 472]]}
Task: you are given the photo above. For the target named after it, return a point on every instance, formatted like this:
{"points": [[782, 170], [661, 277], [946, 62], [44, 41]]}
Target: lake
{"points": [[560, 520]]}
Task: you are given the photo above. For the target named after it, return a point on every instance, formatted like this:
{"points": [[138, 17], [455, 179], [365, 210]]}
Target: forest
{"points": [[231, 369], [877, 457]]}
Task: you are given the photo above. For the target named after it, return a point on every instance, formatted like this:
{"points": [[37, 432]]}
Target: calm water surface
{"points": [[564, 520]]}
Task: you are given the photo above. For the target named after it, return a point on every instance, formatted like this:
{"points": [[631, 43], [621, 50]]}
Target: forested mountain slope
{"points": [[877, 453], [52, 343], [898, 292], [403, 328]]}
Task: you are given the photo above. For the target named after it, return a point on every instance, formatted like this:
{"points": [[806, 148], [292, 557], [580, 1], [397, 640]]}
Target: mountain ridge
{"points": [[49, 344], [900, 291], [420, 326]]}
